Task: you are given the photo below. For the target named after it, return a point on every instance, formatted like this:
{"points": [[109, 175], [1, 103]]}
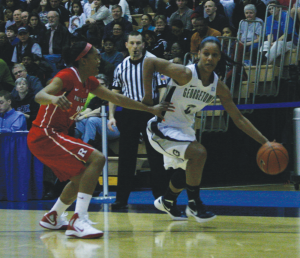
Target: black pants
{"points": [[130, 124]]}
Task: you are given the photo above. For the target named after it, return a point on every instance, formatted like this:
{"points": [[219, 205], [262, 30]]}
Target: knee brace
{"points": [[178, 179]]}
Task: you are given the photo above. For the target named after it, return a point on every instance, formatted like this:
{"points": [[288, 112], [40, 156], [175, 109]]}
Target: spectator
{"points": [[93, 34], [194, 17], [10, 119], [183, 13], [166, 8], [3, 18], [273, 47], [34, 83], [24, 17], [24, 101], [99, 12], [78, 17], [9, 18], [128, 80], [26, 46], [17, 19], [69, 4], [43, 12], [36, 28], [176, 51], [11, 34], [116, 11], [110, 53], [87, 8], [107, 69], [64, 14], [250, 30], [214, 20], [238, 11], [254, 28], [12, 4], [89, 122], [163, 31], [201, 10], [6, 80], [124, 6], [202, 31], [296, 9], [6, 49], [182, 35], [56, 38], [120, 38], [153, 46], [43, 71], [230, 32], [146, 22]]}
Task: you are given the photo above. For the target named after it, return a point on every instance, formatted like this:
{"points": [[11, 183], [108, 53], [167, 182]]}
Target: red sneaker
{"points": [[52, 221], [81, 227]]}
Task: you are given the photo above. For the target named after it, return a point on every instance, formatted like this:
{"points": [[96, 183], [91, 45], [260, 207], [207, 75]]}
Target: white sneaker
{"points": [[52, 221], [81, 227]]}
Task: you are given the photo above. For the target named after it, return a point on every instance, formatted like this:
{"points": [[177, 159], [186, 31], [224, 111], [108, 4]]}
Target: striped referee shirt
{"points": [[128, 77]]}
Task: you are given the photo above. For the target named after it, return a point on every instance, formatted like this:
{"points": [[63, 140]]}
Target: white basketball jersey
{"points": [[188, 99]]}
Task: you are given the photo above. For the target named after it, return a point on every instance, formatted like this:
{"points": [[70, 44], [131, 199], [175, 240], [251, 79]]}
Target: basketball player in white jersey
{"points": [[191, 89]]}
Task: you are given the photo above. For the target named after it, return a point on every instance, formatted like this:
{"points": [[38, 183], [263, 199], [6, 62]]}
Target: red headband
{"points": [[84, 52]]}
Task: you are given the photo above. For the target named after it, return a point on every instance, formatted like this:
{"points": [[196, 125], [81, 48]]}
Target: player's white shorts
{"points": [[172, 142]]}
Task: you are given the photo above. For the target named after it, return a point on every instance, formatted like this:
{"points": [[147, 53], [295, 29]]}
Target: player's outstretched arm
{"points": [[179, 73], [47, 95], [240, 121], [123, 101]]}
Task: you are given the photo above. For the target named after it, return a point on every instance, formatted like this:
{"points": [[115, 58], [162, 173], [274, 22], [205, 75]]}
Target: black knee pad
{"points": [[178, 179]]}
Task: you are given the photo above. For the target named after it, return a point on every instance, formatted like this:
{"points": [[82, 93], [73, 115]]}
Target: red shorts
{"points": [[65, 155]]}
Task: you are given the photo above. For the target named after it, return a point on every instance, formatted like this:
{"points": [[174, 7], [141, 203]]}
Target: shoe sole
{"points": [[200, 220], [158, 205], [73, 233], [49, 226]]}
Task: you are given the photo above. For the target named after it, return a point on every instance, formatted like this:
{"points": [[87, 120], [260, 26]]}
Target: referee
{"points": [[128, 80]]}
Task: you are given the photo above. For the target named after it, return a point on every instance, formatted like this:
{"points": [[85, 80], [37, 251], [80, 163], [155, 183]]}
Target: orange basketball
{"points": [[272, 158]]}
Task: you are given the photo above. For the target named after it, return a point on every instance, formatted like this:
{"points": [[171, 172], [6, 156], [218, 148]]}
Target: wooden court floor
{"points": [[146, 234]]}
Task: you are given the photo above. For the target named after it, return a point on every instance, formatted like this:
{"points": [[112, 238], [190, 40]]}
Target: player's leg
{"points": [[81, 187], [79, 224], [196, 155], [168, 202], [167, 146]]}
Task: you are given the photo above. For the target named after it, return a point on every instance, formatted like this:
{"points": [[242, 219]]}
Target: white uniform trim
{"points": [[172, 136], [67, 140]]}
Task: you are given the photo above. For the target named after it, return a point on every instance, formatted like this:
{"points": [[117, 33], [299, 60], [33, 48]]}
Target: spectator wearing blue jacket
{"points": [[10, 119], [275, 38]]}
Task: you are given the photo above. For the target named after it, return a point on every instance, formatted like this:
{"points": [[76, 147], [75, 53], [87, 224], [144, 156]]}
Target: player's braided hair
{"points": [[225, 60]]}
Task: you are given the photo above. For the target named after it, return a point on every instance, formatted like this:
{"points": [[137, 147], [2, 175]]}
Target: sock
{"points": [[82, 203], [170, 195], [192, 192], [59, 207]]}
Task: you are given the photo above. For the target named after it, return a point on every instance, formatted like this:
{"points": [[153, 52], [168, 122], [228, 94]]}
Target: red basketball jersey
{"points": [[51, 116]]}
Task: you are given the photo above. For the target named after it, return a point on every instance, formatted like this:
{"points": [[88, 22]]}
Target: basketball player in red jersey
{"points": [[71, 158]]}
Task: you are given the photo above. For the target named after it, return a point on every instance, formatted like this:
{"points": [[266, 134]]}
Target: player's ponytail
{"points": [[225, 60], [78, 50]]}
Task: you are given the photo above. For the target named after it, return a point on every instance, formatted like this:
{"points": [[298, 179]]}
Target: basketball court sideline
{"points": [[252, 221]]}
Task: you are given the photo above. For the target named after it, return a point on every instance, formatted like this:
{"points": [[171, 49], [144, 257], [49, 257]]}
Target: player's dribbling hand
{"points": [[163, 106], [62, 102]]}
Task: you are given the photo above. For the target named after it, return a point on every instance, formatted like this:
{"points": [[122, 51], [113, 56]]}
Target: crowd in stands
{"points": [[33, 34]]}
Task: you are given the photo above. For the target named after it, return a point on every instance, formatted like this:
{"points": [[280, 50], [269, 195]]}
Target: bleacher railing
{"points": [[264, 78]]}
